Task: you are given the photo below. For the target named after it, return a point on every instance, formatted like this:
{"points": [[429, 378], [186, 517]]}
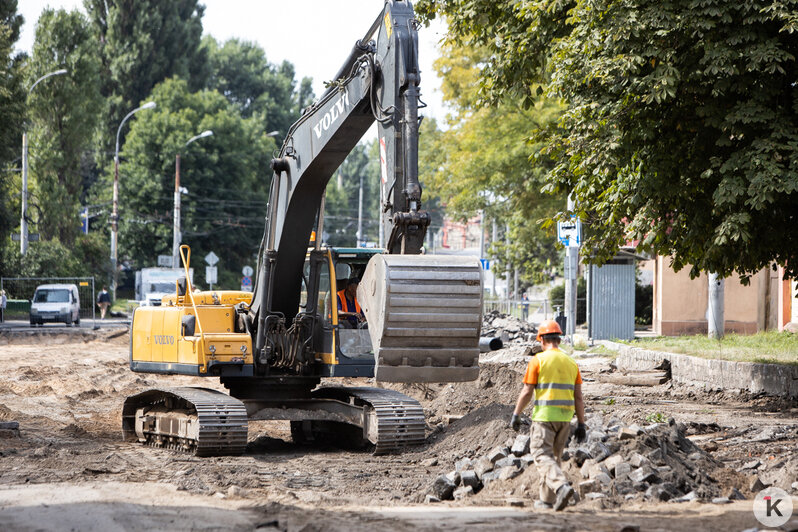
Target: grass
{"points": [[657, 417], [765, 347], [580, 344], [122, 305], [603, 350]]}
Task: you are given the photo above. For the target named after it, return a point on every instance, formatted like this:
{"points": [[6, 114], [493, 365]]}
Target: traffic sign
{"points": [[247, 271], [569, 232], [211, 259], [485, 264], [210, 274], [246, 284]]}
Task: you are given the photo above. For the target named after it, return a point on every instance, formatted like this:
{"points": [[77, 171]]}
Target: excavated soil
{"points": [[69, 469]]}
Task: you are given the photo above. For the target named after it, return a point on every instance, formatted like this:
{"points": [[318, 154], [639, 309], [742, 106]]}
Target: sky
{"points": [[315, 35]]}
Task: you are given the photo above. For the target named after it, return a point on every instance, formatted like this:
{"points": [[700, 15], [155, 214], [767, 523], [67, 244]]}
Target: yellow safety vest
{"points": [[554, 391]]}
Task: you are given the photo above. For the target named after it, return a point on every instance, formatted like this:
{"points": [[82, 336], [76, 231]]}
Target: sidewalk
{"points": [[24, 325]]}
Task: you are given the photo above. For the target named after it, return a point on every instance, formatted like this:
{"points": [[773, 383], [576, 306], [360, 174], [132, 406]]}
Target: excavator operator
{"points": [[349, 313]]}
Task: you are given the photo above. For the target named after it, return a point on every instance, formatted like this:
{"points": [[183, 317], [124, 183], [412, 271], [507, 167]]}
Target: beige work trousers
{"points": [[546, 444]]}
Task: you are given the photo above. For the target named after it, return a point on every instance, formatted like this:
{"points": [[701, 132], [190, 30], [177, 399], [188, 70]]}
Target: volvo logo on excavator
{"points": [[332, 115], [164, 339]]}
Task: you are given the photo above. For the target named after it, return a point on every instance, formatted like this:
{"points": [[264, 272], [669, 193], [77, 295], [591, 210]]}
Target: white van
{"points": [[55, 302]]}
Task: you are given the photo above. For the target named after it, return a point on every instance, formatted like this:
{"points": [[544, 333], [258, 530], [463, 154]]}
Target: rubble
{"points": [[508, 328], [655, 463], [443, 488]]}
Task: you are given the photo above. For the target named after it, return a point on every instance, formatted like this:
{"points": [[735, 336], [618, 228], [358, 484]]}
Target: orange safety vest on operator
{"points": [[554, 374], [344, 306]]}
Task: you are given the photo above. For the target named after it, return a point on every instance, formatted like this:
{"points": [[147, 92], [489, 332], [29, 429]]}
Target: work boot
{"points": [[542, 505], [564, 495]]}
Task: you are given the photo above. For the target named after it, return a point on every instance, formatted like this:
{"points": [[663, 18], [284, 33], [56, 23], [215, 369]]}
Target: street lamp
{"points": [[23, 225], [176, 237], [114, 217]]}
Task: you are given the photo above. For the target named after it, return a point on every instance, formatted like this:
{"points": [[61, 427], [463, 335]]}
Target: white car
{"points": [[55, 303]]}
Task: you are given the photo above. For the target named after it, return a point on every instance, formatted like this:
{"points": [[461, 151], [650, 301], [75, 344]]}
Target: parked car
{"points": [[55, 303]]}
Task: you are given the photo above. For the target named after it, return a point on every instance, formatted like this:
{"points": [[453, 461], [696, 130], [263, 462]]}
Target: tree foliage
{"points": [[343, 193], [12, 100], [225, 176], [681, 129], [142, 43], [241, 72], [481, 163], [62, 117]]}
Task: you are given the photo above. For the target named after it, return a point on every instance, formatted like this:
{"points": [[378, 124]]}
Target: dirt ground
{"points": [[70, 470]]}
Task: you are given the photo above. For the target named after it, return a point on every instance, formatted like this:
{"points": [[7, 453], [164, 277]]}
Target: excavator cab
{"points": [[346, 344]]}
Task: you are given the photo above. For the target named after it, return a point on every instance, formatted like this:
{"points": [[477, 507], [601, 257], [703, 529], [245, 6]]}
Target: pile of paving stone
{"points": [[616, 462], [506, 327]]}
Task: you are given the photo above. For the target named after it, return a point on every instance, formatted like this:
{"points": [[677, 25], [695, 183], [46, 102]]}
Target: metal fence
{"points": [[534, 310], [20, 290]]}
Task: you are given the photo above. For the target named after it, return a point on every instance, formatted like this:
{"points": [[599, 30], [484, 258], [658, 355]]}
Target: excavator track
{"points": [[201, 421], [393, 421]]}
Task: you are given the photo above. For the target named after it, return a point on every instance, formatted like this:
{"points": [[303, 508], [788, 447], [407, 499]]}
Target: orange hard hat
{"points": [[548, 327]]}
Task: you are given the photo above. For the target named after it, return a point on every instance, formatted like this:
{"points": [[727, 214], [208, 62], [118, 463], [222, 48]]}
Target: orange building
{"points": [[680, 303]]}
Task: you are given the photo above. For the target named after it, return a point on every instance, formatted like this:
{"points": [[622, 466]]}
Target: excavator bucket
{"points": [[424, 315]]}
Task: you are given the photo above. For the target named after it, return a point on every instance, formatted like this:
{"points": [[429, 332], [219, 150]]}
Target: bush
{"points": [[86, 258]]}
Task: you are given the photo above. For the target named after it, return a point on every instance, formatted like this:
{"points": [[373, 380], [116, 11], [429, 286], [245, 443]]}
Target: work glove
{"points": [[515, 422], [580, 433]]}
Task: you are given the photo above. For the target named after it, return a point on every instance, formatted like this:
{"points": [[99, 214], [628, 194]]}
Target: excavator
{"points": [[272, 347]]}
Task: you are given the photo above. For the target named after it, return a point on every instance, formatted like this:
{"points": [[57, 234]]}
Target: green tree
{"points": [[481, 163], [225, 176], [240, 71], [141, 44], [343, 193], [12, 105], [682, 123], [62, 117], [86, 257]]}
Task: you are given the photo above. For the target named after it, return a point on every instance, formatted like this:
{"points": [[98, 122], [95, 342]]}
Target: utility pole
{"points": [[360, 214], [481, 235], [571, 268], [23, 222], [715, 304], [494, 237], [115, 212], [507, 269], [380, 219], [176, 235]]}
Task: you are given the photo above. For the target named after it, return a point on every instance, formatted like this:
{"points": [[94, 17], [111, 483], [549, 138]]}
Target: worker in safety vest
{"points": [[348, 307], [553, 380]]}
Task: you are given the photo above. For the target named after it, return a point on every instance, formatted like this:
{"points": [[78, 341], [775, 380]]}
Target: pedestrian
{"points": [[3, 303], [103, 301], [553, 380], [525, 307]]}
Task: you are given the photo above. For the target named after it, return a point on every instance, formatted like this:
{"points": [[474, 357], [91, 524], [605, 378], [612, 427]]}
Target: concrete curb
{"points": [[710, 374]]}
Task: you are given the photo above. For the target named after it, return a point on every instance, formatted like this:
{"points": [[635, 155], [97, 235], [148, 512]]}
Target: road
{"points": [[70, 471]]}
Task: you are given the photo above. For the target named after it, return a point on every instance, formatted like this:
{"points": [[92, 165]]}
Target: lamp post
{"points": [[23, 224], [114, 215], [176, 236]]}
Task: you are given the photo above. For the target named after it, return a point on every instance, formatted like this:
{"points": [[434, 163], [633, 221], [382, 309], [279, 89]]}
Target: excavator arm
{"points": [[416, 331]]}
